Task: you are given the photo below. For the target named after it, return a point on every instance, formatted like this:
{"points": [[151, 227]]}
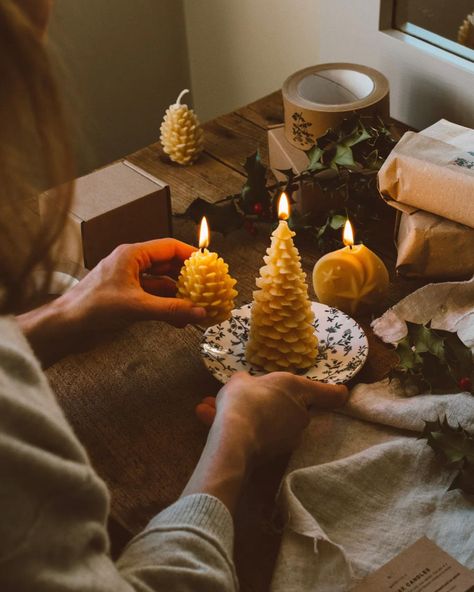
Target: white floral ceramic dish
{"points": [[343, 346]]}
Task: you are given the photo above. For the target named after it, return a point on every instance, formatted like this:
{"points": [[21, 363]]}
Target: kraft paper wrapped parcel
{"points": [[429, 178]]}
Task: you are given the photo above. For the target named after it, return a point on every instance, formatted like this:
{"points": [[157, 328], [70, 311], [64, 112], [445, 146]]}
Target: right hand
{"points": [[267, 414]]}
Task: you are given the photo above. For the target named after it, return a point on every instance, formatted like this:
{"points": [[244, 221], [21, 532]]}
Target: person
{"points": [[53, 533]]}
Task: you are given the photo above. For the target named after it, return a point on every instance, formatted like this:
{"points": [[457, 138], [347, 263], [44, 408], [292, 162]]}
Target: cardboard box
{"points": [[118, 204], [430, 246], [283, 155]]}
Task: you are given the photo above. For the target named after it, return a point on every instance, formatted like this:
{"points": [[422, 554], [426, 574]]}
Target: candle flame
{"points": [[283, 207], [348, 234], [203, 234]]}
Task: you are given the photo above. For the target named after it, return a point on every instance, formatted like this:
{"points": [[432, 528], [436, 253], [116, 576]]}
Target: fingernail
{"points": [[199, 312]]}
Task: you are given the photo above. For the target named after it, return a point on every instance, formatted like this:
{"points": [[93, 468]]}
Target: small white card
{"points": [[422, 567]]}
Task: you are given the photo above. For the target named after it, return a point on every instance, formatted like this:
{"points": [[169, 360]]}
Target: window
{"points": [[448, 24]]}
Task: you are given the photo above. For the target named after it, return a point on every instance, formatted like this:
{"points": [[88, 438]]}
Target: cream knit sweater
{"points": [[53, 507]]}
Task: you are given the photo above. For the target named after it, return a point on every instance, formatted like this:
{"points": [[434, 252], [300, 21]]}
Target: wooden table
{"points": [[131, 400]]}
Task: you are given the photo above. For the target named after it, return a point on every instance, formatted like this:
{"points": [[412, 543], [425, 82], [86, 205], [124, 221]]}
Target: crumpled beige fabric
{"points": [[361, 487]]}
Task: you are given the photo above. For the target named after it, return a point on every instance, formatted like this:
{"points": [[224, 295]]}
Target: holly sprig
{"points": [[454, 448], [342, 166], [432, 360]]}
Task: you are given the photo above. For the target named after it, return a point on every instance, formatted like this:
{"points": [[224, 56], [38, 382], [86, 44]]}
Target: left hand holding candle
{"points": [[205, 280], [352, 279]]}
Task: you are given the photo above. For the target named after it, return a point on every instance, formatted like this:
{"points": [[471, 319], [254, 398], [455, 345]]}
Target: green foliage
{"points": [[342, 165], [432, 360], [454, 447]]}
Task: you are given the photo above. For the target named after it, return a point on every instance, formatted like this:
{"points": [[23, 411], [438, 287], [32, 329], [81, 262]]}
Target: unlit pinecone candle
{"points": [[352, 279], [181, 133], [205, 280], [281, 333]]}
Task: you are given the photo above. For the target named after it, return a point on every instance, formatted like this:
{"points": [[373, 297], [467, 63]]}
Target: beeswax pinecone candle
{"points": [[281, 333], [181, 133], [205, 280]]}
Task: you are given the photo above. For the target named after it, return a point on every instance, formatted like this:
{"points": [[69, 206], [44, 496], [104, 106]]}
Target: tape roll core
{"points": [[320, 97]]}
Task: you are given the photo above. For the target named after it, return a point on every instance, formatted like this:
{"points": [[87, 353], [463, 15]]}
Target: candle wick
{"points": [[202, 249], [350, 247]]}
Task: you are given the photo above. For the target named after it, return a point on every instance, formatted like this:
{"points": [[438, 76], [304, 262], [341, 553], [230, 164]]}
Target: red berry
{"points": [[465, 384], [258, 208], [250, 227]]}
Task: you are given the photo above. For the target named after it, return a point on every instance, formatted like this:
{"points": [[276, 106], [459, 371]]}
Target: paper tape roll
{"points": [[320, 97]]}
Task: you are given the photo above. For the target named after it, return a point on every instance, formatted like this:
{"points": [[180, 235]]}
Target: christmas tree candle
{"points": [[181, 134], [205, 280], [281, 333], [352, 279]]}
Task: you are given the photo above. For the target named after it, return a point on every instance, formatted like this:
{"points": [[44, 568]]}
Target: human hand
{"points": [[135, 282], [267, 414]]}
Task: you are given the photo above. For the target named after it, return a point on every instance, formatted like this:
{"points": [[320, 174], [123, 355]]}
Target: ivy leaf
{"points": [[454, 447], [343, 156], [314, 155], [337, 221], [360, 135], [223, 217]]}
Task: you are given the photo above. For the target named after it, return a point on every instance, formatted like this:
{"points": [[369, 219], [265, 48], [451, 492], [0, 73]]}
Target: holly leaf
{"points": [[425, 339], [409, 359], [464, 480], [223, 217], [454, 447]]}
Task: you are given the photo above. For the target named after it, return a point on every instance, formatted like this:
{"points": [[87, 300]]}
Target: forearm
{"points": [[51, 330], [224, 465]]}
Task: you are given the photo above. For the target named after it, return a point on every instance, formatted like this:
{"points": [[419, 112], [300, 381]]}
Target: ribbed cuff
{"points": [[202, 512]]}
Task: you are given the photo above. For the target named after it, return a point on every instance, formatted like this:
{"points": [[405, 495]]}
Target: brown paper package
{"points": [[433, 171], [432, 247]]}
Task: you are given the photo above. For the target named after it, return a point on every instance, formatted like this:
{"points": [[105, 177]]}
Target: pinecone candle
{"points": [[181, 134], [281, 333], [205, 280]]}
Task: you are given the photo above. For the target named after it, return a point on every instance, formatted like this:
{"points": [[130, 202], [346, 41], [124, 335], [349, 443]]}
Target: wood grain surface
{"points": [[131, 399]]}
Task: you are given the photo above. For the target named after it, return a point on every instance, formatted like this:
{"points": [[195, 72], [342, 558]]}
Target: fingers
{"points": [[321, 395], [162, 286], [162, 250], [206, 411], [175, 311], [310, 393]]}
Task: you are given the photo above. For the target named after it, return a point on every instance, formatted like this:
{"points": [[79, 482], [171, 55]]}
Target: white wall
{"points": [[242, 50], [125, 62]]}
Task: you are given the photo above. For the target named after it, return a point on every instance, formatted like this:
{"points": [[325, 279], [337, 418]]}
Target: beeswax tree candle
{"points": [[181, 134], [205, 280], [281, 333], [352, 279]]}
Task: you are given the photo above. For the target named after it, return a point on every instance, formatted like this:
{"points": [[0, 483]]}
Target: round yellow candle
{"points": [[353, 279], [205, 280]]}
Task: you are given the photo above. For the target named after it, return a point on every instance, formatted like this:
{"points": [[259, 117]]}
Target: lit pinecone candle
{"points": [[281, 333], [205, 280], [181, 134]]}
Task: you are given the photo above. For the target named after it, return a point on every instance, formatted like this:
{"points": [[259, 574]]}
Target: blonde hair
{"points": [[35, 155]]}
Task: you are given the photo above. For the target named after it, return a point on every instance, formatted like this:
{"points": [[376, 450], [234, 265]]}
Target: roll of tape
{"points": [[320, 97]]}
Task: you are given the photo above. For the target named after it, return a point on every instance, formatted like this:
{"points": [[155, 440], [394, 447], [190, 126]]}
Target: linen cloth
{"points": [[362, 487], [54, 507]]}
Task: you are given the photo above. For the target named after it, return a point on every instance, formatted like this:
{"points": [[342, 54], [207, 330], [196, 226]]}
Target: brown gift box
{"points": [[430, 246], [283, 156], [118, 204]]}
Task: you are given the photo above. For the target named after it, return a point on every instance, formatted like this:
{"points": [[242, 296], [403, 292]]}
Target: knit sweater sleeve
{"points": [[54, 507]]}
